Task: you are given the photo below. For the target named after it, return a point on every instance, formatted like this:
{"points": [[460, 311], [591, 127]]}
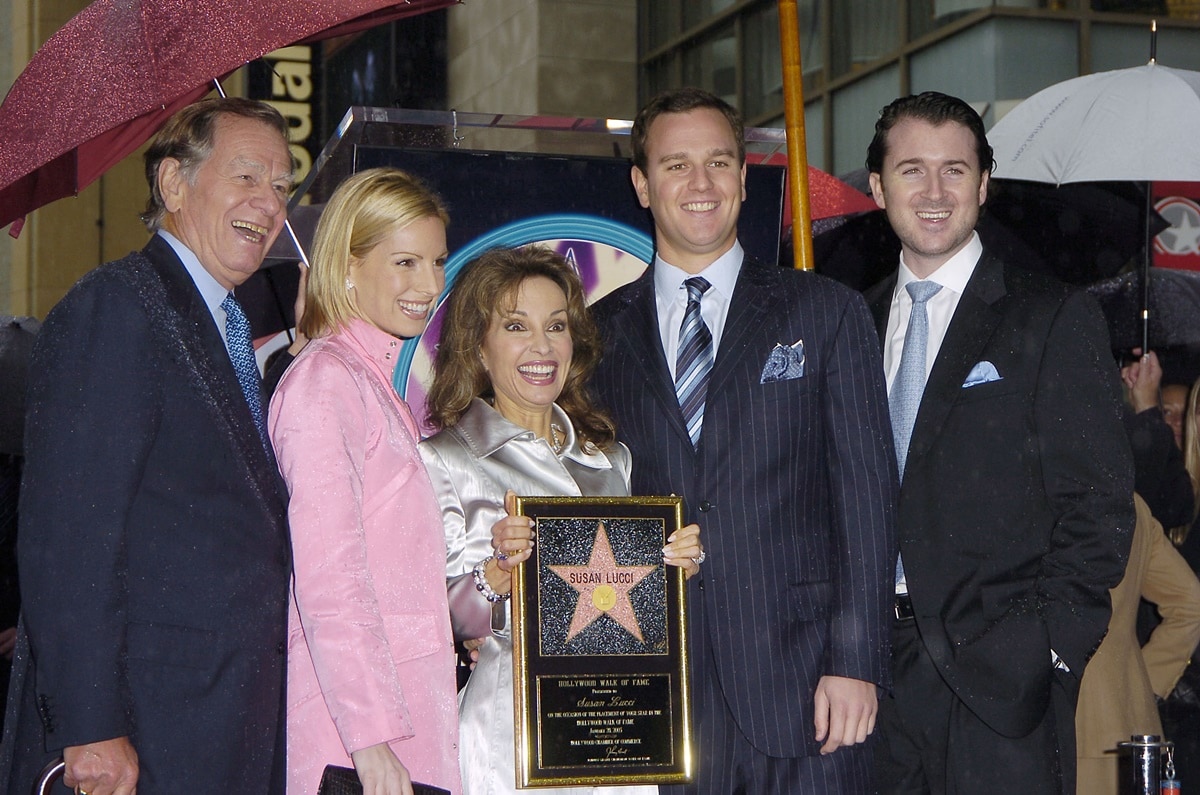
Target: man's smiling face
{"points": [[694, 186], [233, 206], [931, 186]]}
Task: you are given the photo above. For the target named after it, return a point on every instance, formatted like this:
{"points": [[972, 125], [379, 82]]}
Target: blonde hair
{"points": [[365, 208], [1191, 460]]}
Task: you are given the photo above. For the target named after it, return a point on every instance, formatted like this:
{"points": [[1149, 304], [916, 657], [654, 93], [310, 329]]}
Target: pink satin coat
{"points": [[370, 655]]}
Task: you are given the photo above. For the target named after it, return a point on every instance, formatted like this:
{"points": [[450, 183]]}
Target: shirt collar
{"points": [[486, 431], [379, 346], [721, 274], [954, 273], [210, 289]]}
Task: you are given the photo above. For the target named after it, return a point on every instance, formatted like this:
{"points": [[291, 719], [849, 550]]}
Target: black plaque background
{"points": [[544, 756]]}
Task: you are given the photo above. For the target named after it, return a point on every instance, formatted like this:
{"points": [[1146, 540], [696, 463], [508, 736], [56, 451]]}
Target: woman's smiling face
{"points": [[527, 351]]}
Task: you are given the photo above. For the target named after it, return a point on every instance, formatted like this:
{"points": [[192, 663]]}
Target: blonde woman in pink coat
{"points": [[370, 655]]}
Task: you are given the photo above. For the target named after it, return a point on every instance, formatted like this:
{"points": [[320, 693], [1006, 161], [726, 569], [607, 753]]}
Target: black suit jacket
{"points": [[1016, 511], [153, 542], [792, 485]]}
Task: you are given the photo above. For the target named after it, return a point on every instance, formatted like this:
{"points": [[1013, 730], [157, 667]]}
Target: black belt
{"points": [[904, 608]]}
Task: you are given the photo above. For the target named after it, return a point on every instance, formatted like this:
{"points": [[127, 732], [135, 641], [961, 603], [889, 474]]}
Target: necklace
{"points": [[558, 437]]}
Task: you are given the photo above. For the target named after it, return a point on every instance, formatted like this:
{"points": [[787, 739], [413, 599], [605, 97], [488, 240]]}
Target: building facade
{"points": [[858, 55], [602, 58]]}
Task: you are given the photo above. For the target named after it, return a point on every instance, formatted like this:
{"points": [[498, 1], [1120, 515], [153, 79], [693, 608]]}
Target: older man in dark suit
{"points": [[755, 392], [1016, 502], [153, 541]]}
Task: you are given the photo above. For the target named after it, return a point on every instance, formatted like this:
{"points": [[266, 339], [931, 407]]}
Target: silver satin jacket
{"points": [[471, 465]]}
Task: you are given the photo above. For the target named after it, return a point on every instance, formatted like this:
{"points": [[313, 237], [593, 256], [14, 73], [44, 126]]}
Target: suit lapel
{"points": [[879, 299], [975, 319], [744, 323], [188, 326], [638, 331]]}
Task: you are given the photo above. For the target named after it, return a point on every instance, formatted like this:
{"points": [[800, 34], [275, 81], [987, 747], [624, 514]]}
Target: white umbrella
{"points": [[1136, 124], [1139, 124]]}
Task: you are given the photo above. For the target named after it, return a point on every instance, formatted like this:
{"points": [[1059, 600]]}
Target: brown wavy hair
{"points": [[488, 286]]}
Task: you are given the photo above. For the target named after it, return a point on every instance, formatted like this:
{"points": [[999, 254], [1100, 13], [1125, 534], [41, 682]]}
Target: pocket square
{"points": [[785, 363], [982, 373]]}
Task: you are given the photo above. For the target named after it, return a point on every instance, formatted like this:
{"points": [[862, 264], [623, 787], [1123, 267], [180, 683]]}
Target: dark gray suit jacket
{"points": [[793, 486], [1016, 512], [153, 541]]}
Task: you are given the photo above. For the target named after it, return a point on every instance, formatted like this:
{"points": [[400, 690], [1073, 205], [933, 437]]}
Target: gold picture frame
{"points": [[601, 683]]}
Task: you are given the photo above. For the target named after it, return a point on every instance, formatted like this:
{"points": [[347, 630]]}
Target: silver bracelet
{"points": [[482, 585]]}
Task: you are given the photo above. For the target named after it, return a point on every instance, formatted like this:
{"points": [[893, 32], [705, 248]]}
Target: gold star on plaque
{"points": [[603, 588]]}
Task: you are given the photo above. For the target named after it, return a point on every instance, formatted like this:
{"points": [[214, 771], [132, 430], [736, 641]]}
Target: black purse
{"points": [[344, 781]]}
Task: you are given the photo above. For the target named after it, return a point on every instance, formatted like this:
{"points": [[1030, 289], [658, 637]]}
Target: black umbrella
{"points": [[269, 295], [1174, 309], [1079, 233], [1082, 231], [16, 347]]}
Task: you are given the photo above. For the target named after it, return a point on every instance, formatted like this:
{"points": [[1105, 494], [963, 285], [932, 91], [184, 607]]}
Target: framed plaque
{"points": [[600, 667]]}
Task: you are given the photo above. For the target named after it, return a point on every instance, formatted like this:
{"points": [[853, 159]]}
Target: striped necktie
{"points": [[695, 359]]}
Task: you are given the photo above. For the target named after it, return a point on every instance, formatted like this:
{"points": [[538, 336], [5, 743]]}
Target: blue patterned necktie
{"points": [[241, 353], [694, 360], [909, 385]]}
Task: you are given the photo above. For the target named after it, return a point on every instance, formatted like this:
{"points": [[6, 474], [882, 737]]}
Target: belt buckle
{"points": [[903, 608]]}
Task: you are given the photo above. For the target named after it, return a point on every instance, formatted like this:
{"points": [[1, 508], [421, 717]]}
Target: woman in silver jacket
{"points": [[509, 396]]}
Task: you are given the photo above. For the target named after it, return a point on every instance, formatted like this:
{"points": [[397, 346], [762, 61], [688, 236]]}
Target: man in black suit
{"points": [[1016, 507], [787, 467], [153, 541]]}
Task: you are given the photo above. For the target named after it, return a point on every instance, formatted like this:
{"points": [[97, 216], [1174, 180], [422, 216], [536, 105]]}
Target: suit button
{"points": [[705, 506], [282, 649]]}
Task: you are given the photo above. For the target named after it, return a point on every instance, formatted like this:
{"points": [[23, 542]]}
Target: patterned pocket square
{"points": [[982, 373], [785, 363]]}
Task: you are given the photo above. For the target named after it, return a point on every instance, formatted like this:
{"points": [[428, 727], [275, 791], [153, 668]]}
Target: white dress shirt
{"points": [[671, 298], [953, 276], [210, 289]]}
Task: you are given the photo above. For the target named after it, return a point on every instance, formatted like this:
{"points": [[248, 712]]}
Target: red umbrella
{"points": [[105, 82], [828, 196]]}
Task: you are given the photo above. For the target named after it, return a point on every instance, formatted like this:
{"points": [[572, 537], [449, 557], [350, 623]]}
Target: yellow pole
{"points": [[797, 144]]}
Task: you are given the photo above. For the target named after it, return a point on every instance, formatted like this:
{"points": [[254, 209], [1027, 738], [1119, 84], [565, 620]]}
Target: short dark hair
{"points": [[682, 100], [188, 137], [937, 109]]}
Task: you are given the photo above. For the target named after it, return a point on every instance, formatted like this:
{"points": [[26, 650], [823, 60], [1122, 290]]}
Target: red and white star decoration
{"points": [[606, 594]]}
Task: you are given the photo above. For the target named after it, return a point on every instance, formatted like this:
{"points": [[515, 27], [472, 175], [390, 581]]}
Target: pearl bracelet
{"points": [[482, 585]]}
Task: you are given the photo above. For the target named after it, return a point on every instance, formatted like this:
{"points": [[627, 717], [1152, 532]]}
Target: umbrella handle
{"points": [[51, 773]]}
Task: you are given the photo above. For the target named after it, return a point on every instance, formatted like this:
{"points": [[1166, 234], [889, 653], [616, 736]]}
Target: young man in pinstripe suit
{"points": [[756, 392]]}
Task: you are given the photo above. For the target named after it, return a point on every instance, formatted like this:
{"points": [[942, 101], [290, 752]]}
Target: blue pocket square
{"points": [[785, 363], [982, 373]]}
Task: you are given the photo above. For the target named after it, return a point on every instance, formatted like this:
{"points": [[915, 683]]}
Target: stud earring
{"points": [[349, 285]]}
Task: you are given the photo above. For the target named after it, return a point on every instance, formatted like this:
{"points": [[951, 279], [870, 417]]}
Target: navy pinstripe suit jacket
{"points": [[793, 485]]}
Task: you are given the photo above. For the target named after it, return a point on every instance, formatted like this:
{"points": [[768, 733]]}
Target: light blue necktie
{"points": [[909, 385], [694, 361], [241, 353]]}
